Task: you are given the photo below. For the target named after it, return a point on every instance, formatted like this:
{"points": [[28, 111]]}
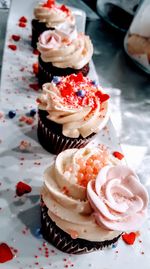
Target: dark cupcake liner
{"points": [[51, 138], [37, 29], [63, 241], [47, 71]]}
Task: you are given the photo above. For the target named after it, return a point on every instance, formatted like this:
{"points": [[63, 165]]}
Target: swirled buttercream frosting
{"points": [[65, 191], [118, 198], [65, 49], [54, 15], [76, 103]]}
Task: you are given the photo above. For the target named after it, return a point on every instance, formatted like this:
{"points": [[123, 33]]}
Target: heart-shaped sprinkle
{"points": [[49, 3], [12, 47], [23, 19], [22, 188], [129, 238], [66, 90], [118, 155], [22, 24], [64, 9], [34, 86], [5, 253], [15, 37], [102, 96]]}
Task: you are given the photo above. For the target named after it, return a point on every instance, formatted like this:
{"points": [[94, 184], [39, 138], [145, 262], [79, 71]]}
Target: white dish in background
{"points": [[20, 217]]}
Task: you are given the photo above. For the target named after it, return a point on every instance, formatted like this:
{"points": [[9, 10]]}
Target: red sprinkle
{"points": [[22, 24], [15, 37], [23, 19], [129, 238], [22, 188], [12, 47], [38, 101], [29, 120], [49, 3], [35, 86], [77, 78], [35, 68], [102, 96], [35, 52], [5, 253], [66, 90], [64, 9], [118, 155]]}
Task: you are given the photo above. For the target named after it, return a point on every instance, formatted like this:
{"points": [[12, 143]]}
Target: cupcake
{"points": [[62, 54], [88, 200], [71, 111], [49, 16]]}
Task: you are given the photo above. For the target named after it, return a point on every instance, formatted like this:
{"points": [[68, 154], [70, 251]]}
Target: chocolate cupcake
{"points": [[49, 16], [71, 111], [87, 200], [62, 54]]}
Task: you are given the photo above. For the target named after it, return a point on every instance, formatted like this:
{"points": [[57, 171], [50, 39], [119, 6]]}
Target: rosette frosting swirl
{"points": [[118, 198], [54, 15], [64, 192], [77, 104], [64, 49]]}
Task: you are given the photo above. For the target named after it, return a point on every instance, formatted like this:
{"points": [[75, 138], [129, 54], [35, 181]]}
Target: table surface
{"points": [[115, 71]]}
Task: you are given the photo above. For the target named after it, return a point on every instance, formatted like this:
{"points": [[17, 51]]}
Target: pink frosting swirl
{"points": [[49, 40], [118, 198]]}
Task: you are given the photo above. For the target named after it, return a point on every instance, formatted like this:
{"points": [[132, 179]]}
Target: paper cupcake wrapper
{"points": [[55, 143], [63, 241], [47, 71]]}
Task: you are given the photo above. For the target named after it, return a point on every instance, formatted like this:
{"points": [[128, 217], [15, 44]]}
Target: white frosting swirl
{"points": [[118, 198], [66, 199], [77, 115], [54, 16], [71, 51]]}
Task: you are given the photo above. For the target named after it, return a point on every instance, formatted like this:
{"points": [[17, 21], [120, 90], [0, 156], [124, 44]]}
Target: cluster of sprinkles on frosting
{"points": [[89, 169], [76, 91], [52, 4]]}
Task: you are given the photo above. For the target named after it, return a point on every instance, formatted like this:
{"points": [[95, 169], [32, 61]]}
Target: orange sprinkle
{"points": [[74, 234], [35, 68]]}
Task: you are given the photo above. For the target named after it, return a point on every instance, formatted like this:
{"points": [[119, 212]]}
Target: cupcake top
{"points": [[65, 50], [90, 195], [77, 103], [54, 15]]}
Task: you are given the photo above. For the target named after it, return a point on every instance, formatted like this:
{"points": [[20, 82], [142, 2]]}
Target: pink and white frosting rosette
{"points": [[118, 198]]}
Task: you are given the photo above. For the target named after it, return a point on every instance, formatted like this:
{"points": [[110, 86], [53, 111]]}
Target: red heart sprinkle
{"points": [[64, 9], [102, 96], [129, 238], [35, 86], [23, 19], [49, 3], [12, 47], [76, 78], [5, 253], [35, 52], [66, 90], [118, 155], [22, 188], [22, 24], [15, 37], [38, 101]]}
